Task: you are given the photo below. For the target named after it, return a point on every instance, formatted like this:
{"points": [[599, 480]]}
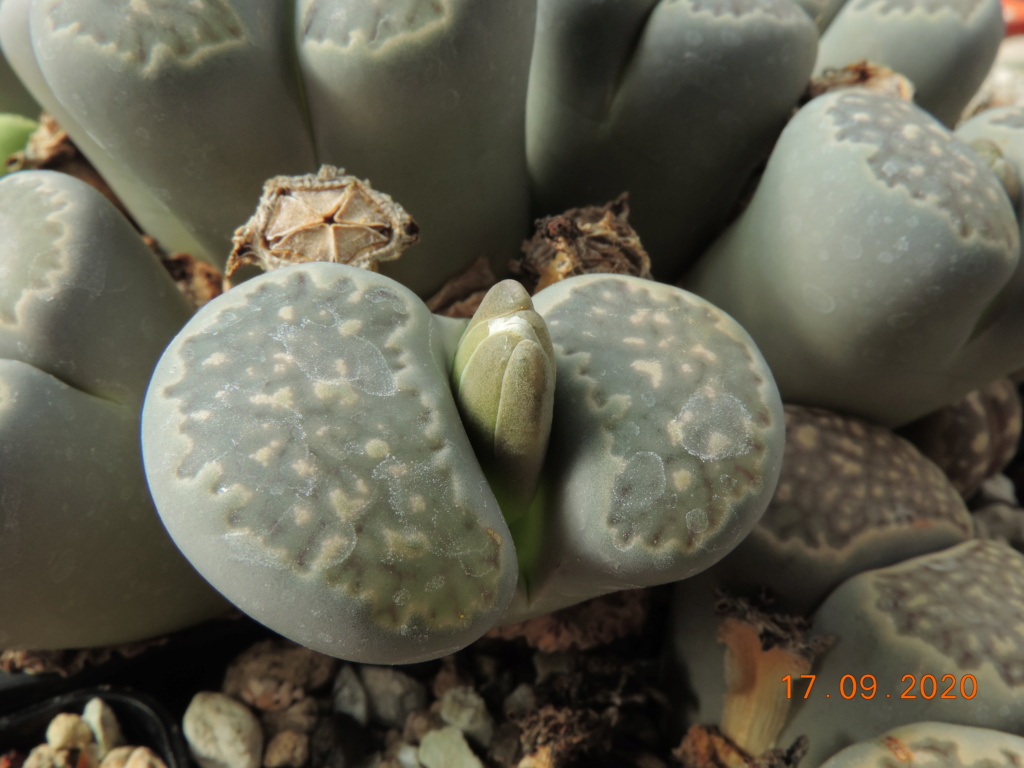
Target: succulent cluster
{"points": [[385, 484]]}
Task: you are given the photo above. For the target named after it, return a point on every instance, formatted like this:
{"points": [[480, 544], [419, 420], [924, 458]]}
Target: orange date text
{"points": [[866, 687]]}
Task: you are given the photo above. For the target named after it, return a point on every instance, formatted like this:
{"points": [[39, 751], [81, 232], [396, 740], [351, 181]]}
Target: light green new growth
{"points": [[503, 377], [14, 133]]}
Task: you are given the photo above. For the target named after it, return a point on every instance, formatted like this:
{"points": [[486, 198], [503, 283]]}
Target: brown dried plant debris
{"points": [[198, 281], [775, 630], [861, 74], [707, 747], [556, 736], [581, 241], [323, 216], [70, 661], [584, 705], [584, 626], [460, 297], [50, 149]]}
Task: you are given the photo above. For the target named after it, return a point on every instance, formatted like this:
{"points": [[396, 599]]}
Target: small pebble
{"points": [[349, 695], [549, 664], [522, 699], [143, 757], [117, 757], [466, 710], [407, 756], [288, 749], [102, 721], [300, 716], [392, 695], [42, 756], [447, 748], [68, 731], [222, 732], [274, 674]]}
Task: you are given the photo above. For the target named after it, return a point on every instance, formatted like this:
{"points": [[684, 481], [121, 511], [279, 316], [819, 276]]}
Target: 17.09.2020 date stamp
{"points": [[866, 687]]}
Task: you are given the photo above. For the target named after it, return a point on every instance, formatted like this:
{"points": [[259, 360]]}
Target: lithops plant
{"points": [[306, 452], [972, 439], [85, 310], [14, 99], [676, 102], [938, 637], [945, 47], [998, 136], [876, 266], [171, 122], [174, 101], [427, 99], [852, 496], [937, 745], [666, 441], [822, 12]]}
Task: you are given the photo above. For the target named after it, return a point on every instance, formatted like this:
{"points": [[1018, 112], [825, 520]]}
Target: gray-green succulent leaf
{"points": [[85, 311], [945, 47]]}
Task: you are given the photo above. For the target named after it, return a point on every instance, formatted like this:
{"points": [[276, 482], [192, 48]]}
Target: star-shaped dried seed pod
{"points": [[324, 216]]}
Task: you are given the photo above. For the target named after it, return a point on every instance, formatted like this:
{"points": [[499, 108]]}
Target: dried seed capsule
{"points": [[324, 216]]}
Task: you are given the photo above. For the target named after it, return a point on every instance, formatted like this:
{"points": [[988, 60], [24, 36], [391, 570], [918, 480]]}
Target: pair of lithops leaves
{"points": [[85, 311], [912, 617], [574, 101], [378, 483], [878, 263]]}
